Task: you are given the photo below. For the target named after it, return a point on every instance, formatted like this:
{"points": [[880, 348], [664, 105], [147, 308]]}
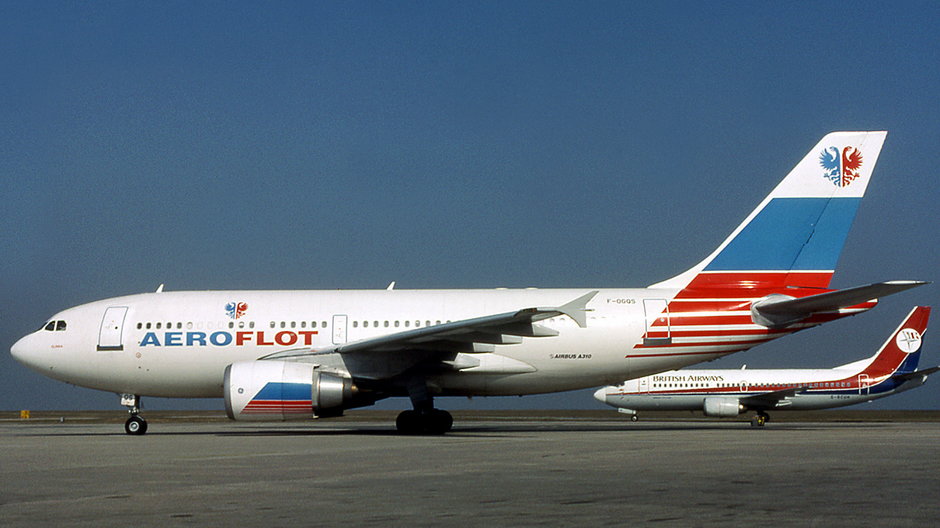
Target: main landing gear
{"points": [[424, 419], [135, 425], [427, 421], [760, 419]]}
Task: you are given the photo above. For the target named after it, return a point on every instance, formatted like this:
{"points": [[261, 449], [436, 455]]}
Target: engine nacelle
{"points": [[723, 407], [283, 390]]}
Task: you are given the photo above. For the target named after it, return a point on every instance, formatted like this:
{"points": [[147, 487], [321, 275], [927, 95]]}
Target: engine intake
{"points": [[723, 407], [283, 390]]}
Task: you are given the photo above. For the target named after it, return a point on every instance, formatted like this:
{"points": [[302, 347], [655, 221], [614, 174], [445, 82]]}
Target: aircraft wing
{"points": [[476, 335], [769, 400], [777, 311]]}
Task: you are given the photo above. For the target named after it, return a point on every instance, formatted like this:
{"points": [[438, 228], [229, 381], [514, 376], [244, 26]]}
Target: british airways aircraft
{"points": [[727, 393], [281, 355]]}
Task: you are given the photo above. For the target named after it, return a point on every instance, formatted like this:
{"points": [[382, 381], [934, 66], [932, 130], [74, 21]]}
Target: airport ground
{"points": [[497, 468]]}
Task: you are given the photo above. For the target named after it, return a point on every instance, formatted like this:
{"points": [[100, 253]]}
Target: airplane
{"points": [[730, 392], [283, 355]]}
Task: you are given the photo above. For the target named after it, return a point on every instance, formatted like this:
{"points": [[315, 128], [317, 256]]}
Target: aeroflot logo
{"points": [[841, 167], [223, 338], [236, 309]]}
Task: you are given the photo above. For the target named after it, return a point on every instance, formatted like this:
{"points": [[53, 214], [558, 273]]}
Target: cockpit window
{"points": [[54, 326]]}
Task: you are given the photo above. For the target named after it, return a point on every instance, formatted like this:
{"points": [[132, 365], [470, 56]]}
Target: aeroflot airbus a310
{"points": [[726, 393], [278, 355]]}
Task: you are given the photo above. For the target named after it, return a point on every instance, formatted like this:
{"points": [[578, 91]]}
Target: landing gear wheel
{"points": [[135, 425], [439, 422], [759, 420], [431, 422], [408, 422], [634, 418]]}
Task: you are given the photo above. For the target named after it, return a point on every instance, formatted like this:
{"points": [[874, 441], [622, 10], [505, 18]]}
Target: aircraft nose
{"points": [[17, 350], [21, 352], [601, 395]]}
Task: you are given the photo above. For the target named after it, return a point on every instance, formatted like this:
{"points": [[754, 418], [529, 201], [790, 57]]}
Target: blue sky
{"points": [[446, 145]]}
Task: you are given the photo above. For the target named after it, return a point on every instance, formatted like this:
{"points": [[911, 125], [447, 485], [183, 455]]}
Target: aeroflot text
{"points": [[222, 338]]}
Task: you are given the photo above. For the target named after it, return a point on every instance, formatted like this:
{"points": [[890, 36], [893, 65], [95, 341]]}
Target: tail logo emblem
{"points": [[236, 310], [908, 340], [841, 167]]}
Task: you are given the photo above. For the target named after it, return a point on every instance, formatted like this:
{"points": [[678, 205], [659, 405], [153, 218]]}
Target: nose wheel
{"points": [[135, 425], [760, 419]]}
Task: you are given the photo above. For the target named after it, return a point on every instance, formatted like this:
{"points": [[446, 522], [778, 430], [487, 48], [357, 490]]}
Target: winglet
{"points": [[576, 309]]}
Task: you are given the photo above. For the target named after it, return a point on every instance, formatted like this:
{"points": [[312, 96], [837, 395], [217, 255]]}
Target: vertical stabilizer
{"points": [[796, 234], [901, 352]]}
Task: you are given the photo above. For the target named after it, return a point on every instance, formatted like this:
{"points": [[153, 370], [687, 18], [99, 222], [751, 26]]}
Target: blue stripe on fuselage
{"points": [[791, 234]]}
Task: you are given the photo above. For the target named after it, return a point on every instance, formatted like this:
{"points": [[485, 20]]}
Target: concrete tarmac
{"points": [[485, 473]]}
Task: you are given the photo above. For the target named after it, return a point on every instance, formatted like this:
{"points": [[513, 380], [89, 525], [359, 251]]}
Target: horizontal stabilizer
{"points": [[776, 310], [916, 374]]}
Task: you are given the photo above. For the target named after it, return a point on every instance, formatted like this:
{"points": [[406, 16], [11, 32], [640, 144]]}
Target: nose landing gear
{"points": [[759, 419], [135, 425]]}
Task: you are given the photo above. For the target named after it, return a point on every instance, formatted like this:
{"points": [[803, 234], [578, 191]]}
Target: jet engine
{"points": [[283, 390], [723, 407]]}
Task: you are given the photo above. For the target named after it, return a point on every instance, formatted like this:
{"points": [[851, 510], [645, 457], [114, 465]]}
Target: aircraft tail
{"points": [[795, 236], [901, 352]]}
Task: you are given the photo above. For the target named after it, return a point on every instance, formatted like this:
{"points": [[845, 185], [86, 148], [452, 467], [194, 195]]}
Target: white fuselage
{"points": [[177, 344], [688, 389]]}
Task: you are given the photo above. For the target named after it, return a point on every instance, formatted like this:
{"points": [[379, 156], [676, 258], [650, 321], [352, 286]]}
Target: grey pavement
{"points": [[490, 473]]}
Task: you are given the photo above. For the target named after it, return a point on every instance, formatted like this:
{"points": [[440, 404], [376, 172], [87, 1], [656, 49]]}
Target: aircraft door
{"points": [[644, 385], [864, 381], [658, 331], [743, 385], [110, 335], [339, 329]]}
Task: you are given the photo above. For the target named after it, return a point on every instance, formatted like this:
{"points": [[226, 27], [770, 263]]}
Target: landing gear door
{"points": [[110, 335], [658, 331], [339, 329]]}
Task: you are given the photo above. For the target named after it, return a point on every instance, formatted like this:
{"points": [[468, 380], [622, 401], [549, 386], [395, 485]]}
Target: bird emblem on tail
{"points": [[841, 167]]}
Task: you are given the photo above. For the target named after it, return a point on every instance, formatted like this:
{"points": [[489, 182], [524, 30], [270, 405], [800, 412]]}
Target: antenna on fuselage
{"points": [[159, 289], [391, 286]]}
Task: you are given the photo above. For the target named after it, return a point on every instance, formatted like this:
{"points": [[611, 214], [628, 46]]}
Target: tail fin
{"points": [[794, 237], [901, 352]]}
